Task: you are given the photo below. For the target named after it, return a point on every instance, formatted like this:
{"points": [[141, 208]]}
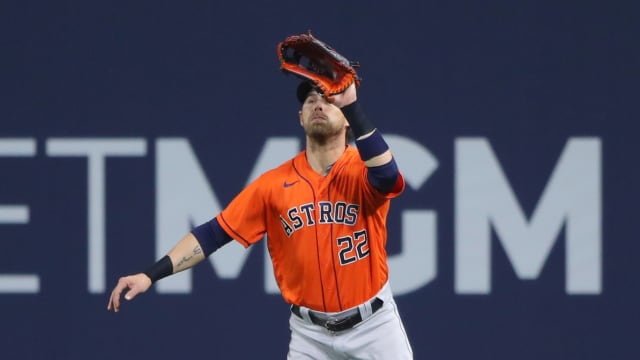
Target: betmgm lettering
{"points": [[484, 201]]}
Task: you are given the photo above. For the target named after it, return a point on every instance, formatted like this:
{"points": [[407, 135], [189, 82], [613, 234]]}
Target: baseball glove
{"points": [[311, 59]]}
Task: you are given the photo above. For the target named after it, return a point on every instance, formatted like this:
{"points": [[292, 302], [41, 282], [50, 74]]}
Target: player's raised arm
{"points": [[373, 149]]}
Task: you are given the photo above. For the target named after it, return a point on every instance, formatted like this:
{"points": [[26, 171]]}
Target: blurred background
{"points": [[125, 123]]}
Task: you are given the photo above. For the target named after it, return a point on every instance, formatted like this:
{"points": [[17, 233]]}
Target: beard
{"points": [[322, 131]]}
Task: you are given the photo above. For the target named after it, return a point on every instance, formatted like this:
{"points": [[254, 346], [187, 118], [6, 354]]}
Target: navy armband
{"points": [[211, 236], [383, 177], [161, 269], [371, 146]]}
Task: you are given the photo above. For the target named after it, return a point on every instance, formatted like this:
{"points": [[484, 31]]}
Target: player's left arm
{"points": [[383, 171]]}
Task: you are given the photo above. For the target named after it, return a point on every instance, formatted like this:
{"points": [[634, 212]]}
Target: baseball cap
{"points": [[303, 90]]}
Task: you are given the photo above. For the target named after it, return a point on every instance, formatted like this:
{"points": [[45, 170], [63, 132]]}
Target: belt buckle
{"points": [[335, 325]]}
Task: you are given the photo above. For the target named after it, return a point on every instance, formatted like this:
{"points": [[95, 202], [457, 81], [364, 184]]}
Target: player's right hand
{"points": [[346, 97], [131, 285]]}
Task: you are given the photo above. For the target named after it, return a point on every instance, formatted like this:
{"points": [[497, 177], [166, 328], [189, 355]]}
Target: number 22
{"points": [[346, 245]]}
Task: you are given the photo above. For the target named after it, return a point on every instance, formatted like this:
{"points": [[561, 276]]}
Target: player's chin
{"points": [[319, 128], [322, 135]]}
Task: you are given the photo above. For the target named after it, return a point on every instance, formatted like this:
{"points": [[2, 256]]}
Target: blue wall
{"points": [[543, 94]]}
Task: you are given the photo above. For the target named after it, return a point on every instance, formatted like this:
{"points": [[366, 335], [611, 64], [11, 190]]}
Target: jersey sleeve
{"points": [[244, 218]]}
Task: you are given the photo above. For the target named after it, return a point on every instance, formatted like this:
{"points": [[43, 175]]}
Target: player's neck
{"points": [[322, 155]]}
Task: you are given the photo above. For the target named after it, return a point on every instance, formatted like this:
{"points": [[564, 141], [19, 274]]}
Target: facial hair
{"points": [[322, 131]]}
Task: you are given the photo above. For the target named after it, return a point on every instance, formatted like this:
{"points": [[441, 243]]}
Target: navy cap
{"points": [[303, 90]]}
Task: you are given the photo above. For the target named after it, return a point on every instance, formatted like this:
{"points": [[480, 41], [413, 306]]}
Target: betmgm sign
{"points": [[484, 202]]}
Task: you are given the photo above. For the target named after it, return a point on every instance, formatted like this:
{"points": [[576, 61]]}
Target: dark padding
{"points": [[211, 236]]}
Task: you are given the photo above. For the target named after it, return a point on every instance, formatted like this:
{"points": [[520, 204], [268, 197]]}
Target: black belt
{"points": [[338, 324]]}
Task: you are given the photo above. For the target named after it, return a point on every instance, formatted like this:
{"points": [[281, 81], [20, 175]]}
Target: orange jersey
{"points": [[326, 234]]}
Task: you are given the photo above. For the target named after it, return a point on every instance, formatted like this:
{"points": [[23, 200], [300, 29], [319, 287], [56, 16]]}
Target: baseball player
{"points": [[324, 213]]}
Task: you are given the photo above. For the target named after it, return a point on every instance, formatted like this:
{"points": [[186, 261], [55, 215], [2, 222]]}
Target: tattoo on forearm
{"points": [[196, 250]]}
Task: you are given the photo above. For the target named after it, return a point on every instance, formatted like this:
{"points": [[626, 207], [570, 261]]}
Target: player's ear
{"points": [[300, 117]]}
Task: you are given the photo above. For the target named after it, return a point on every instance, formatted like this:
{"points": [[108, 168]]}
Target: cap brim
{"points": [[303, 90]]}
